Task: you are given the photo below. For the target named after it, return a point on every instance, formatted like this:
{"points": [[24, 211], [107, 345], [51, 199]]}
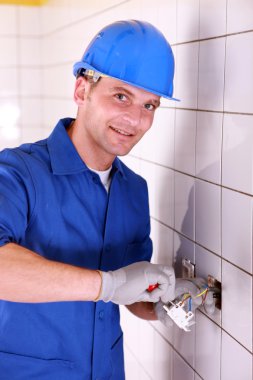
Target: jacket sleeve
{"points": [[17, 197]]}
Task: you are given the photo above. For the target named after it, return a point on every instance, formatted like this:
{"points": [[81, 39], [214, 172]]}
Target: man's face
{"points": [[116, 115]]}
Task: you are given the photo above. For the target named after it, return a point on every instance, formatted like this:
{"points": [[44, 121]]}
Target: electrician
{"points": [[74, 220]]}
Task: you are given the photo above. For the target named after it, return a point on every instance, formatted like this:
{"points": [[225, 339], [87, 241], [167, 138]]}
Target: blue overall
{"points": [[51, 203]]}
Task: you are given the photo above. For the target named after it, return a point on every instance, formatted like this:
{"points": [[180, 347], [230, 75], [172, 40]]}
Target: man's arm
{"points": [[143, 310], [27, 277]]}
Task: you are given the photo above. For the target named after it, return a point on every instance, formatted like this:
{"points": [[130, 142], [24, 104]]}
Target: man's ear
{"points": [[82, 87]]}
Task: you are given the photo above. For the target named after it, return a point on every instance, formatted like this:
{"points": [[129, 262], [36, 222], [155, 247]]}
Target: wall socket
{"points": [[188, 271]]}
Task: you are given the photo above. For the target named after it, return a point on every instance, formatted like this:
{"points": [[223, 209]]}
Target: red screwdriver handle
{"points": [[152, 287]]}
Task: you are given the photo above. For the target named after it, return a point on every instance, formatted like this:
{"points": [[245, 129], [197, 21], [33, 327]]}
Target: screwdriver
{"points": [[152, 287]]}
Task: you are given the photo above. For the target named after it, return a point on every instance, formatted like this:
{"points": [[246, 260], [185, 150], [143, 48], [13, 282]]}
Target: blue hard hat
{"points": [[134, 52]]}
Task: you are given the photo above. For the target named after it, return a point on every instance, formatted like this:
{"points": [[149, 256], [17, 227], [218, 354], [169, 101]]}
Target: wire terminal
{"points": [[177, 313]]}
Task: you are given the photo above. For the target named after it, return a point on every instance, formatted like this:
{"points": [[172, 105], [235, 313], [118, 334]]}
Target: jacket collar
{"points": [[63, 154]]}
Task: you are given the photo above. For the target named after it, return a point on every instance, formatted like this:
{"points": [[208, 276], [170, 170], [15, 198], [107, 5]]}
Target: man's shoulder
{"points": [[27, 154], [131, 175]]}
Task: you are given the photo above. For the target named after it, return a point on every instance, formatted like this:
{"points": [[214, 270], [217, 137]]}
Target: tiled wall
{"points": [[197, 158]]}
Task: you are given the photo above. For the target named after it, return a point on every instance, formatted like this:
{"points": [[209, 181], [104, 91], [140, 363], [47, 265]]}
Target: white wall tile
{"points": [[208, 215], [147, 145], [8, 143], [183, 249], [181, 370], [30, 80], [211, 74], [165, 331], [237, 229], [186, 74], [167, 17], [237, 159], [10, 128], [208, 264], [187, 20], [163, 143], [131, 329], [126, 10], [54, 15], [147, 170], [77, 10], [185, 204], [208, 146], [162, 359], [239, 74], [148, 11], [164, 199], [54, 109], [237, 304], [131, 365], [9, 82], [185, 139], [184, 343], [239, 15], [132, 162], [31, 134], [143, 374], [8, 19], [30, 51], [208, 346], [29, 20], [31, 112], [9, 52], [58, 81], [162, 237], [236, 362], [147, 343], [212, 18]]}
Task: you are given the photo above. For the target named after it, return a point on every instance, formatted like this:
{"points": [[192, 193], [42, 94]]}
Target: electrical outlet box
{"points": [[215, 287], [188, 272]]}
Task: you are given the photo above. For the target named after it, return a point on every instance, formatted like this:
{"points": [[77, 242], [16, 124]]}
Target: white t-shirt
{"points": [[105, 177]]}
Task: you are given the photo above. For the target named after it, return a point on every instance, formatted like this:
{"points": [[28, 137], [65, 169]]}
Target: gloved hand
{"points": [[129, 284]]}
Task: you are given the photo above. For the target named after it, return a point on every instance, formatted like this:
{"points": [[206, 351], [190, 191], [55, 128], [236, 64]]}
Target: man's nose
{"points": [[133, 115]]}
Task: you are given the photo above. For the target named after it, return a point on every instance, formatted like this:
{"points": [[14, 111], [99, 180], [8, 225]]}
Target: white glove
{"points": [[129, 284]]}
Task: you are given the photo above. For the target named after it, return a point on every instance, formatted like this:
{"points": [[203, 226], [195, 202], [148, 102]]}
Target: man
{"points": [[74, 220]]}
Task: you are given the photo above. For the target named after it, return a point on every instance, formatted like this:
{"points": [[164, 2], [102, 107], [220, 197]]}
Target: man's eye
{"points": [[121, 97], [149, 107]]}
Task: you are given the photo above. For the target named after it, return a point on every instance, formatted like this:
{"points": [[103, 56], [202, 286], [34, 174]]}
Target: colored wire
{"points": [[201, 294]]}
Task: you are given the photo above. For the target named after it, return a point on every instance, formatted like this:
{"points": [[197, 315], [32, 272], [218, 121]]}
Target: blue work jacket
{"points": [[52, 204]]}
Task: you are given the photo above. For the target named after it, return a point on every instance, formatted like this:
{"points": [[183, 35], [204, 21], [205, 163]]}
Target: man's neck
{"points": [[88, 154]]}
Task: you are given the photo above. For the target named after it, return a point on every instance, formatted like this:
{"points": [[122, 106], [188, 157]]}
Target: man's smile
{"points": [[120, 131]]}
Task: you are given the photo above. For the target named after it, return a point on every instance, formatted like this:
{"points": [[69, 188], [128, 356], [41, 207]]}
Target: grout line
{"points": [[213, 38], [190, 175], [137, 360], [174, 349], [200, 245], [220, 327], [209, 111], [89, 17]]}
